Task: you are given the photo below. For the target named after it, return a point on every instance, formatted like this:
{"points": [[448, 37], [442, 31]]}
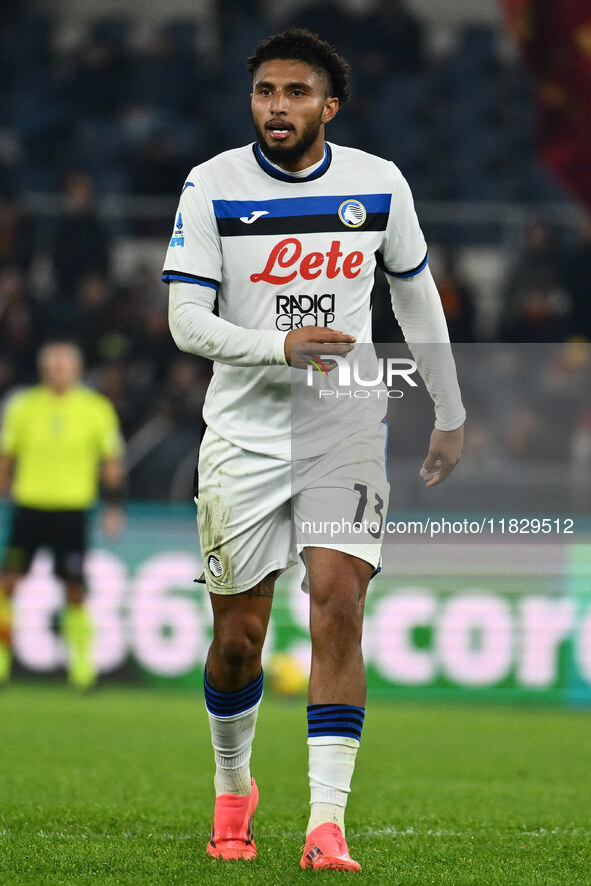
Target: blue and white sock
{"points": [[232, 721], [334, 733]]}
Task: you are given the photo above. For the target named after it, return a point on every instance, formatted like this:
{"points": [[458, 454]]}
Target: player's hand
{"points": [[316, 340], [445, 451], [112, 520]]}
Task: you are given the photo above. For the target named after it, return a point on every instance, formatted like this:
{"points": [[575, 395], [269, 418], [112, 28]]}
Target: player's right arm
{"points": [[9, 442], [6, 472], [193, 270], [310, 341], [197, 330]]}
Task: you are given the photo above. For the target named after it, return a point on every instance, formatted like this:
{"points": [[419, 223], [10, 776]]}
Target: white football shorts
{"points": [[257, 513]]}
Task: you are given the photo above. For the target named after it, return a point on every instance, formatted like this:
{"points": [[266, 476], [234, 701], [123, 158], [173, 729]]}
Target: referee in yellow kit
{"points": [[58, 440]]}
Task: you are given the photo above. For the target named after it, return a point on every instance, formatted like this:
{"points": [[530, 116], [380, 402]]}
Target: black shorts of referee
{"points": [[63, 533]]}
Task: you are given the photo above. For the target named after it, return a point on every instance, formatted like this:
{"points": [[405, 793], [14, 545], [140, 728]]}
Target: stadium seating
{"points": [[458, 126]]}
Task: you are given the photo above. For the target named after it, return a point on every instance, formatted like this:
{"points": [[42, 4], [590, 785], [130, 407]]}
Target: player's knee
{"points": [[75, 592], [337, 617], [8, 582], [240, 644], [334, 599]]}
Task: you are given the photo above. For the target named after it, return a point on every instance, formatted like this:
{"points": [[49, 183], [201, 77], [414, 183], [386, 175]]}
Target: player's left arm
{"points": [[445, 451], [417, 306], [113, 483], [113, 475]]}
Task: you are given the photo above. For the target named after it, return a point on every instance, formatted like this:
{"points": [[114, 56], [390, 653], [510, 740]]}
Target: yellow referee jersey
{"points": [[58, 442]]}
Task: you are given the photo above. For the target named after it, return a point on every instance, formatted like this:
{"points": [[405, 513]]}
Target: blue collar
{"points": [[285, 176]]}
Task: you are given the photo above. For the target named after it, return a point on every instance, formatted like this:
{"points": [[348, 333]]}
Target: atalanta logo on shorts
{"points": [[352, 213], [215, 566]]}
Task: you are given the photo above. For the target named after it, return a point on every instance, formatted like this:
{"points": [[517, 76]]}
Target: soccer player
{"points": [[57, 438], [270, 229]]}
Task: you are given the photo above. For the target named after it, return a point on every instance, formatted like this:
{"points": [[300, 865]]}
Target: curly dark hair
{"points": [[304, 46]]}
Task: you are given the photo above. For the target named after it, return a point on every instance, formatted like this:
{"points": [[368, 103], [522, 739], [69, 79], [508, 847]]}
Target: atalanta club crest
{"points": [[352, 213], [215, 566]]}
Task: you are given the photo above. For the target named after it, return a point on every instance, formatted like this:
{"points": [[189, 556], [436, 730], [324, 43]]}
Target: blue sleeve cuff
{"points": [[401, 275], [168, 276]]}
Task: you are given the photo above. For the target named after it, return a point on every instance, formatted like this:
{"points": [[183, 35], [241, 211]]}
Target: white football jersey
{"points": [[282, 252]]}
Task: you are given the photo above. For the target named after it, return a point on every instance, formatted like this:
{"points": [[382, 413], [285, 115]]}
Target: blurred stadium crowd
{"points": [[99, 127]]}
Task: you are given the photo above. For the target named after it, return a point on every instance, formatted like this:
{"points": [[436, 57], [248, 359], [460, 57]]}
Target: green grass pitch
{"points": [[116, 788]]}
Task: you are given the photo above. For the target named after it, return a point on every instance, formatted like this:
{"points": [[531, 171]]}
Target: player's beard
{"points": [[289, 156]]}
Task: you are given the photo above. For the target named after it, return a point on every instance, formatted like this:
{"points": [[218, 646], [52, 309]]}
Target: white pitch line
{"points": [[369, 832]]}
